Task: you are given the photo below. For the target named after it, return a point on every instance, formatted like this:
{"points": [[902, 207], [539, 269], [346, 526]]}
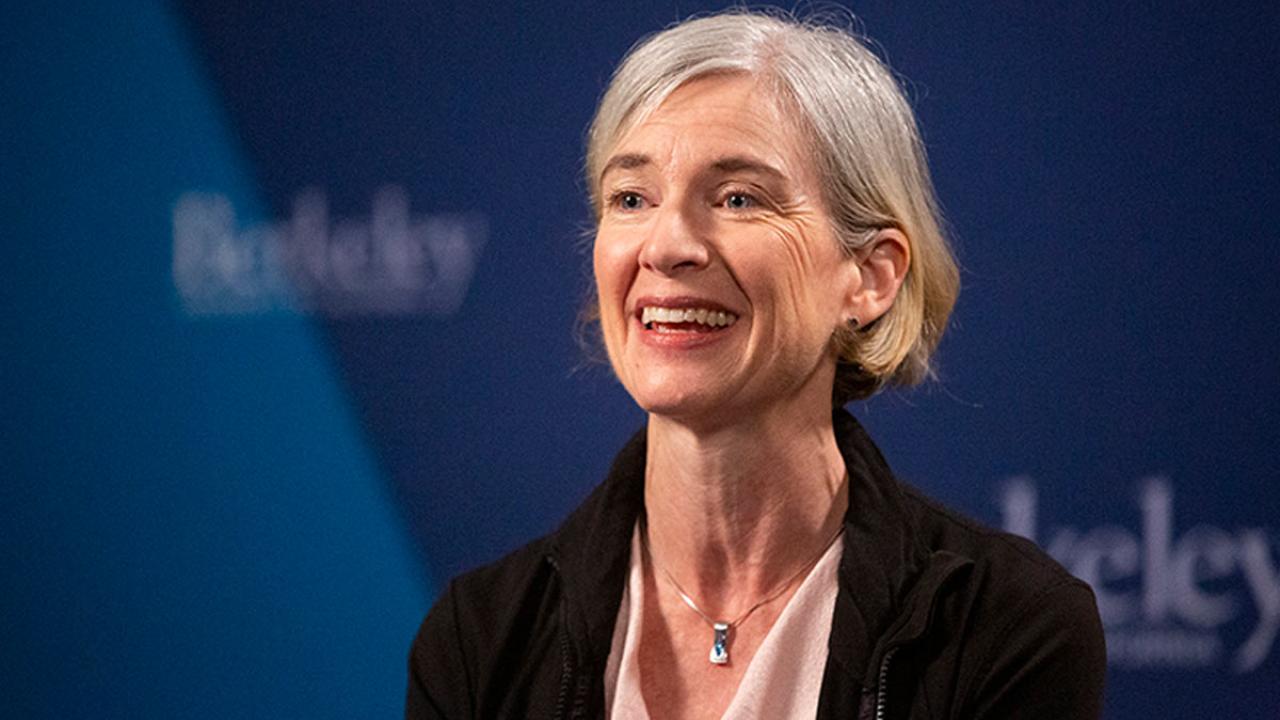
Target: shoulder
{"points": [[490, 590], [1010, 564], [1038, 648], [477, 605], [496, 612], [499, 636]]}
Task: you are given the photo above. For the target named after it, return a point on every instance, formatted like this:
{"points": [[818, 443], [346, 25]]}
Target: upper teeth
{"points": [[714, 318]]}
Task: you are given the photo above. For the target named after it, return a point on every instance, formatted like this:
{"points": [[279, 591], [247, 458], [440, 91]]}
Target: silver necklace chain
{"points": [[773, 595]]}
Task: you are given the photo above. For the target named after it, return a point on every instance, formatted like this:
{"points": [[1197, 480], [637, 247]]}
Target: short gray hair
{"points": [[865, 144]]}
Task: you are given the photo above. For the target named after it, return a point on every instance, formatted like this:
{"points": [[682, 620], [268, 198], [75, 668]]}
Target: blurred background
{"points": [[287, 304]]}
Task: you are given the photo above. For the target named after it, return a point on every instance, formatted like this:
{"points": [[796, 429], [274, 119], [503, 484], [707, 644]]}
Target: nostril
{"points": [[669, 256]]}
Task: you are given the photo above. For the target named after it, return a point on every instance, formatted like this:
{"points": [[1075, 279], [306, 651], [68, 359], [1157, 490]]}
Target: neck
{"points": [[736, 510]]}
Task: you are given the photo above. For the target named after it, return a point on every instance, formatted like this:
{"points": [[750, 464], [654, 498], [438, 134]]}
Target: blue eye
{"points": [[739, 201], [626, 200]]}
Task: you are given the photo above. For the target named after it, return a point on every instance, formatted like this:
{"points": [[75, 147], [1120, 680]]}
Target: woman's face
{"points": [[719, 278]]}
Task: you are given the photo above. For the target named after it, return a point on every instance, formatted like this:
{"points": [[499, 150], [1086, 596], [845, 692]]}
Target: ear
{"points": [[881, 267]]}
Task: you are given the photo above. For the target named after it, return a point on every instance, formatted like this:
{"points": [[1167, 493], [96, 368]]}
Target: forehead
{"points": [[716, 116]]}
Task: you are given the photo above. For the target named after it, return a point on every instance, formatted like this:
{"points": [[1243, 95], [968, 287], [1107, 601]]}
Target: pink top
{"points": [[785, 674]]}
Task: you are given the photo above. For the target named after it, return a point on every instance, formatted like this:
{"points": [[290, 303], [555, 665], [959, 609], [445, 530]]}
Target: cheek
{"points": [[609, 264], [798, 273], [806, 290], [614, 266]]}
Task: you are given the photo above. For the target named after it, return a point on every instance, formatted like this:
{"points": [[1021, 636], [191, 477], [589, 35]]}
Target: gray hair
{"points": [[865, 145]]}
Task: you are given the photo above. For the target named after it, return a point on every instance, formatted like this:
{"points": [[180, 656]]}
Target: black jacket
{"points": [[936, 616]]}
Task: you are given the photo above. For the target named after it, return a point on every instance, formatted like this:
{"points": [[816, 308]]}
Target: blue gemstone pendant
{"points": [[720, 648]]}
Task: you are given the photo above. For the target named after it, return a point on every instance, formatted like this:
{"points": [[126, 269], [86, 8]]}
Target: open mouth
{"points": [[685, 320]]}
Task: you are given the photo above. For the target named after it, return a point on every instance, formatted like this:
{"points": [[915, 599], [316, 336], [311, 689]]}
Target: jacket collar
{"points": [[888, 577], [592, 551]]}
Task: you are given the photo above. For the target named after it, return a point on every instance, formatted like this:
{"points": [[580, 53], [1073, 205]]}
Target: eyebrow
{"points": [[729, 164], [626, 161], [738, 163]]}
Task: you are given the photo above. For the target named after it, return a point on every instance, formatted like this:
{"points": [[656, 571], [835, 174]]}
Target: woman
{"points": [[767, 247]]}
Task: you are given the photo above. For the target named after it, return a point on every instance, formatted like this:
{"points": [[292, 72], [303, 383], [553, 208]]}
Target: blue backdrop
{"points": [[288, 296]]}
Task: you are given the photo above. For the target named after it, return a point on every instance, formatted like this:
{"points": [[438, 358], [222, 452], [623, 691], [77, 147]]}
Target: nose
{"points": [[674, 245]]}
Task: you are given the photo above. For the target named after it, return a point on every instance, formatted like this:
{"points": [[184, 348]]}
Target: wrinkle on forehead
{"points": [[742, 114]]}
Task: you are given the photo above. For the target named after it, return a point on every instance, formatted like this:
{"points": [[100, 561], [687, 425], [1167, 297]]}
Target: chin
{"points": [[676, 402]]}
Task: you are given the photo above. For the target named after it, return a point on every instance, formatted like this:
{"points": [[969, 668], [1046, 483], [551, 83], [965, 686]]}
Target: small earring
{"points": [[853, 323]]}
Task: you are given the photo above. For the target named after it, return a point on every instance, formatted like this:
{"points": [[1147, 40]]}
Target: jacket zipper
{"points": [[566, 675], [566, 667], [882, 689]]}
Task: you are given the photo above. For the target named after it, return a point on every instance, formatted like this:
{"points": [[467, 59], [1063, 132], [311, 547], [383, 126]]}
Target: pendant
{"points": [[720, 648]]}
